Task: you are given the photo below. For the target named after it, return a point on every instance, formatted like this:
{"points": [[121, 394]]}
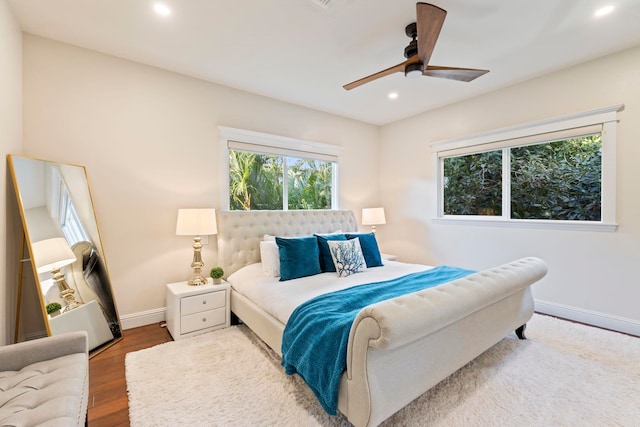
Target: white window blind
{"points": [[598, 117], [245, 140], [560, 135], [303, 152]]}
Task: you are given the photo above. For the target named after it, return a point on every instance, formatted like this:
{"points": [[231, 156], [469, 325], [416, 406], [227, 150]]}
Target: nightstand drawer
{"points": [[205, 319], [202, 302]]}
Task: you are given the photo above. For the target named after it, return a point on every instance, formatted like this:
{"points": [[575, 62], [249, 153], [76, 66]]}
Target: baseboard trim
{"points": [[602, 320], [143, 318]]}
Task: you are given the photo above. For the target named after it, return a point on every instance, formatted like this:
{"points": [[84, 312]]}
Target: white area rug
{"points": [[565, 374]]}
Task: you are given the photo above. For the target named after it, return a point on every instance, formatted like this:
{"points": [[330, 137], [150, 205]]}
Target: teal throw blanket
{"points": [[314, 342]]}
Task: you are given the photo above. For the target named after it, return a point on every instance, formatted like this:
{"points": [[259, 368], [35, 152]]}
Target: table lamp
{"points": [[51, 255], [196, 222], [373, 217]]}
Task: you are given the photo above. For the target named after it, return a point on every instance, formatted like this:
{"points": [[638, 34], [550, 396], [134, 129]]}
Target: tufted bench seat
{"points": [[45, 382]]}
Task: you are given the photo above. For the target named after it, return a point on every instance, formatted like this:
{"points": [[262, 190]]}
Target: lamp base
{"points": [[197, 280], [69, 300], [66, 293]]}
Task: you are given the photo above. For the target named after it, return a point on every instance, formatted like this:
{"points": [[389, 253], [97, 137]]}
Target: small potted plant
{"points": [[53, 309], [216, 274]]}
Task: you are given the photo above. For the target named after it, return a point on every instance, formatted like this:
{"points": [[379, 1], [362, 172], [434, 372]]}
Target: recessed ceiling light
{"points": [[393, 95], [162, 9], [604, 11]]}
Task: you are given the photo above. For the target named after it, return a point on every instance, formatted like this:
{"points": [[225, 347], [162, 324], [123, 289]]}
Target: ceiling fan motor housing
{"points": [[411, 30], [415, 69], [412, 48]]}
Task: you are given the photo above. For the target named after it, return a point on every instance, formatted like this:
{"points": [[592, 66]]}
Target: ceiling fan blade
{"points": [[453, 73], [395, 69], [429, 23]]}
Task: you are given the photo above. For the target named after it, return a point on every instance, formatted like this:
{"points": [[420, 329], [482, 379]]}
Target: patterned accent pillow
{"points": [[347, 256]]}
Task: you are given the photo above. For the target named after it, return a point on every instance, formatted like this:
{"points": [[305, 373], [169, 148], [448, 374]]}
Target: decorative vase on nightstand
{"points": [[216, 274]]}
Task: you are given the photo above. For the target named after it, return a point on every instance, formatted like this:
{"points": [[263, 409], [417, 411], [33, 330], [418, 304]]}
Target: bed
{"points": [[398, 348]]}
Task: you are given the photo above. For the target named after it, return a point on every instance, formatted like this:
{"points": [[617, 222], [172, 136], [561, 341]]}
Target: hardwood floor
{"points": [[108, 402]]}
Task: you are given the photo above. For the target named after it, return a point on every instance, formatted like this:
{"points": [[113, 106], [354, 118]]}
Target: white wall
{"points": [[10, 143], [149, 141], [592, 275]]}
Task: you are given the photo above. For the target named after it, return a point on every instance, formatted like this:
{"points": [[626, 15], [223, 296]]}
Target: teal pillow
{"points": [[370, 249], [299, 257], [326, 262]]}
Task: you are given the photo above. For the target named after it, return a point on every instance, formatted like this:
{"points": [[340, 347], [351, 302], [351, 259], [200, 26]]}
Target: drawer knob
{"points": [[204, 302], [204, 319]]}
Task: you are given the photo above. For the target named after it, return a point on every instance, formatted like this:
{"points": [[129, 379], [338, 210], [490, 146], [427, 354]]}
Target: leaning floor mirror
{"points": [[65, 250]]}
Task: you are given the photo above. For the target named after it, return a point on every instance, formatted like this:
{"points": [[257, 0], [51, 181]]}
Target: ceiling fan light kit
{"points": [[424, 34], [413, 70]]}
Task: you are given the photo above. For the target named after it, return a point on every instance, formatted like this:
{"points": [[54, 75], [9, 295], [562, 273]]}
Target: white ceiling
{"points": [[296, 51]]}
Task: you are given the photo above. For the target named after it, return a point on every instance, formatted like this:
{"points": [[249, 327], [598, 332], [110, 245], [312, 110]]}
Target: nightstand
{"points": [[86, 317], [193, 310], [388, 257]]}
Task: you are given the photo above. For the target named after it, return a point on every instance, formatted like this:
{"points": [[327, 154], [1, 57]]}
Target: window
{"points": [[559, 180], [277, 173], [63, 210], [557, 172], [473, 184], [69, 220]]}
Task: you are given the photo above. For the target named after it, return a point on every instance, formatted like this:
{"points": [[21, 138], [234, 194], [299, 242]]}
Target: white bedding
{"points": [[280, 298]]}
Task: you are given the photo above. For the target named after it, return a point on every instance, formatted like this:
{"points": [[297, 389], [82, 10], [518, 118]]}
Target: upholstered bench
{"points": [[45, 382]]}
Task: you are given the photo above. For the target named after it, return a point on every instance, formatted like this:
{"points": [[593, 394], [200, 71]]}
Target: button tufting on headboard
{"points": [[240, 232]]}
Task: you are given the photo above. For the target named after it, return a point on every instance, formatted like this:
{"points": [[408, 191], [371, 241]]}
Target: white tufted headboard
{"points": [[240, 232]]}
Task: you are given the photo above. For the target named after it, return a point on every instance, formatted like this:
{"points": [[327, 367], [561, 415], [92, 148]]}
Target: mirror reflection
{"points": [[66, 251]]}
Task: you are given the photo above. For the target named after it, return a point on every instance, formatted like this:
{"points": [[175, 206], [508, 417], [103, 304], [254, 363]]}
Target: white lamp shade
{"points": [[373, 216], [51, 253], [196, 222]]}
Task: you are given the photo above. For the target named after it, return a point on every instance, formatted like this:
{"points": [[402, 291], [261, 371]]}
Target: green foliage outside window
{"points": [[256, 182], [560, 180], [473, 184], [309, 184], [557, 181]]}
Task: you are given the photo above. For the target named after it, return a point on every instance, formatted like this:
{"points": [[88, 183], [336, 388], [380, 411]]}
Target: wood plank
{"points": [[108, 401]]}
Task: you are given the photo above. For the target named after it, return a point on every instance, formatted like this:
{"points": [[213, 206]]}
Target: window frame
{"points": [[530, 134], [264, 143], [69, 220], [63, 210]]}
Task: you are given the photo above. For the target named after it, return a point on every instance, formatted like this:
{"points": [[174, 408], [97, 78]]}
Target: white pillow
{"points": [[270, 257], [329, 234], [347, 256]]}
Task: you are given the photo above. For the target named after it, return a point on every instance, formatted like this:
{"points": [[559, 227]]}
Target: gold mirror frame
{"points": [[55, 202]]}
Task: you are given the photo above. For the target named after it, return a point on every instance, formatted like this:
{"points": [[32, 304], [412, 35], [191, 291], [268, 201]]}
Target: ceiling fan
{"points": [[424, 34]]}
